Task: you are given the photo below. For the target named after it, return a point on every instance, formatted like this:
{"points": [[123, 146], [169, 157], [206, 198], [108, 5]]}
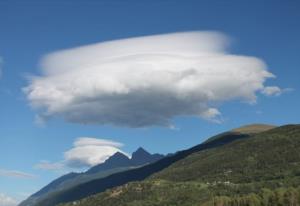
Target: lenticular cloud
{"points": [[88, 152], [145, 81]]}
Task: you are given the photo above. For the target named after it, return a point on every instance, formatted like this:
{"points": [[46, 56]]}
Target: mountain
{"points": [[33, 199], [258, 169], [246, 129], [254, 128], [141, 156], [137, 174], [56, 183], [116, 163]]}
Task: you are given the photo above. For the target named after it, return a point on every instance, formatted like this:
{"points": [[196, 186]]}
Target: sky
{"points": [[81, 80]]}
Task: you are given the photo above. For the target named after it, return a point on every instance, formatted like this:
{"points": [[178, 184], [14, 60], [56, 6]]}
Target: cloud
{"points": [[145, 81], [89, 152], [272, 91], [275, 91], [15, 173], [46, 165], [86, 152], [7, 201]]}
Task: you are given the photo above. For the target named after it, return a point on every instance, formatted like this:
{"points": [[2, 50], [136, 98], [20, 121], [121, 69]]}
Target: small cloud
{"points": [[7, 201], [287, 90], [272, 91], [86, 152], [15, 173], [213, 115], [173, 127], [46, 165], [89, 152], [275, 91]]}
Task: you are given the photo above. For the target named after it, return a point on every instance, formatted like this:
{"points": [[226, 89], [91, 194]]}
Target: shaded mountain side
{"points": [[117, 160], [56, 183], [80, 178], [140, 156], [261, 170], [48, 189], [99, 185], [116, 163]]}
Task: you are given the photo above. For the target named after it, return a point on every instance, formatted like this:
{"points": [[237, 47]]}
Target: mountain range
{"points": [[116, 163], [251, 165]]}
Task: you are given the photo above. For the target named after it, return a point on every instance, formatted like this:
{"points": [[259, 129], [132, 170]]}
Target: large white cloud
{"points": [[145, 81], [86, 152], [7, 201]]}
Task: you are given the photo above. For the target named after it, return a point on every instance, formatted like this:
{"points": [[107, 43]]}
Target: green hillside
{"points": [[261, 170], [254, 128], [250, 129]]}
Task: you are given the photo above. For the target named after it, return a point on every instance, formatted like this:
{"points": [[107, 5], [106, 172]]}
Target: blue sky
{"points": [[268, 30]]}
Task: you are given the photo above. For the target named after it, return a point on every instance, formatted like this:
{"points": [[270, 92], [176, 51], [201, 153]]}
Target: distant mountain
{"points": [[261, 169], [116, 163], [33, 199], [56, 183], [141, 156], [138, 174], [138, 158]]}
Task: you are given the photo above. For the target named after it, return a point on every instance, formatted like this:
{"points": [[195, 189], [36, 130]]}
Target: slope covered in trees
{"points": [[138, 174], [261, 170]]}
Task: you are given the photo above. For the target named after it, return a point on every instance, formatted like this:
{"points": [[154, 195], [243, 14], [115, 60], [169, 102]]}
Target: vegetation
{"points": [[261, 170], [266, 197], [139, 174], [254, 128], [66, 185], [164, 193], [266, 156]]}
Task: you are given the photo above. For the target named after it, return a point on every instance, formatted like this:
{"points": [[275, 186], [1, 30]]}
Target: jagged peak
{"points": [[140, 151], [118, 155]]}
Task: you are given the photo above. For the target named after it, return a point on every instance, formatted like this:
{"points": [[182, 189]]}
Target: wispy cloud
{"points": [[145, 81], [15, 173], [275, 91], [46, 165], [86, 152]]}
